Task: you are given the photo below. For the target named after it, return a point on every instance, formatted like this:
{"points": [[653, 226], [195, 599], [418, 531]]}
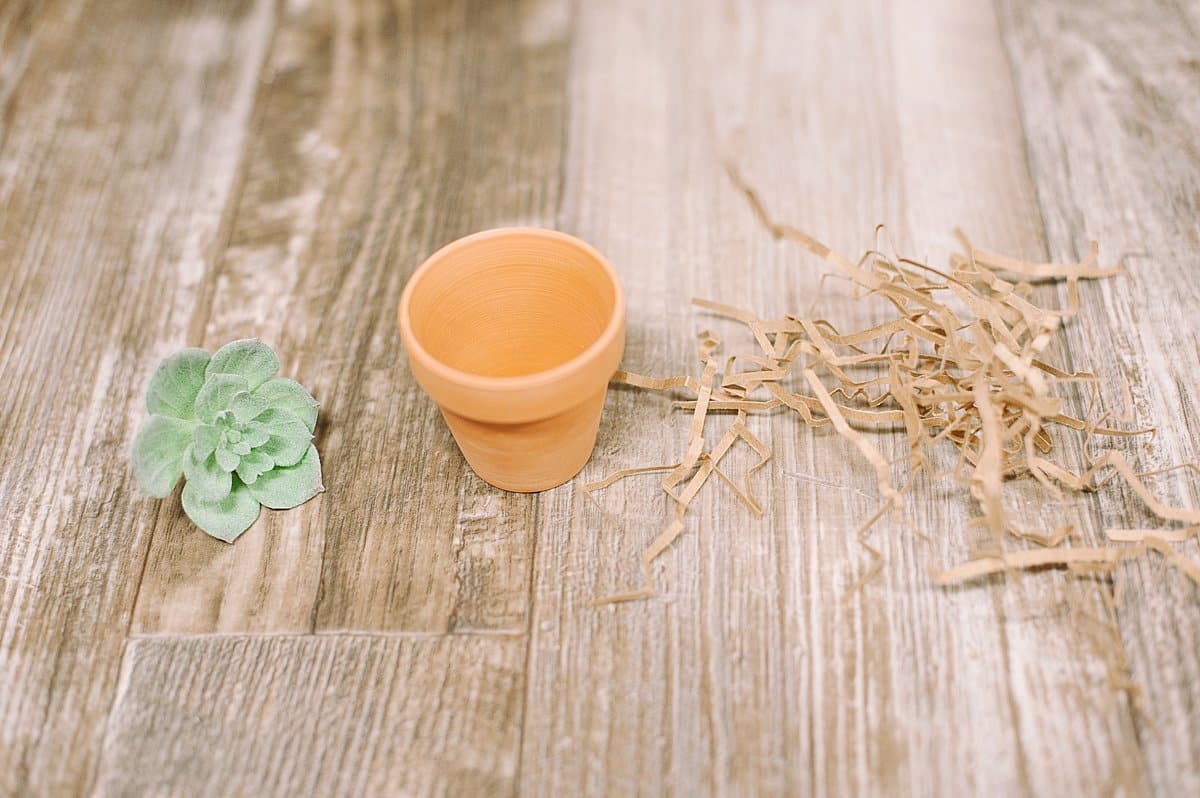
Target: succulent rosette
{"points": [[240, 435]]}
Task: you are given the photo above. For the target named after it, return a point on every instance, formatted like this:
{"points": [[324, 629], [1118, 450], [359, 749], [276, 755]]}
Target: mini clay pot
{"points": [[514, 333]]}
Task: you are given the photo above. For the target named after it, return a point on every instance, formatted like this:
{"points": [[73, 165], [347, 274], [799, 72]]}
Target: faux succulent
{"points": [[241, 436]]}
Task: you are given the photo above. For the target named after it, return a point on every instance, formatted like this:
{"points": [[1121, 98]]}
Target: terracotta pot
{"points": [[515, 333]]}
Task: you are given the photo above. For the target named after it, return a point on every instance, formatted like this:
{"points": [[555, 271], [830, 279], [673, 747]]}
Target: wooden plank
{"points": [[758, 670], [965, 165], [385, 131], [328, 715], [974, 174], [1111, 102], [122, 138]]}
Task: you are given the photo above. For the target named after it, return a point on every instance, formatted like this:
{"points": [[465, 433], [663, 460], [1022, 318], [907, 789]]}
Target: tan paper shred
{"points": [[961, 361], [1165, 535]]}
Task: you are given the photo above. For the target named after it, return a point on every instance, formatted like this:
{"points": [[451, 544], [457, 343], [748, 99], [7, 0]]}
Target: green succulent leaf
{"points": [[290, 395], [249, 358], [252, 466], [217, 394], [246, 406], [174, 385], [205, 477], [255, 434], [158, 453], [224, 519], [285, 488], [288, 438], [227, 459], [205, 440]]}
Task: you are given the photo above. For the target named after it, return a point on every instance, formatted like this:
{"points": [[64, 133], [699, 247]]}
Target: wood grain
{"points": [[382, 132], [186, 173], [1110, 94], [301, 715], [758, 669], [122, 137]]}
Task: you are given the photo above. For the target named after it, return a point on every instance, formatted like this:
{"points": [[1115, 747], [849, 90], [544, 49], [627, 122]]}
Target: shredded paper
{"points": [[959, 363]]}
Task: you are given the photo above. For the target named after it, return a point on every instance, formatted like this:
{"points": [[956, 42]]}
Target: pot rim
{"points": [[522, 382]]}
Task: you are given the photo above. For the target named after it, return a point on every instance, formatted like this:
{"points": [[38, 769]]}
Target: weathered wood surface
{"points": [[759, 669], [123, 129], [1110, 97], [225, 715], [184, 174]]}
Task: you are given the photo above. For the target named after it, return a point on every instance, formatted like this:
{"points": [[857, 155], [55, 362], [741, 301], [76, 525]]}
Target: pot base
{"points": [[533, 456]]}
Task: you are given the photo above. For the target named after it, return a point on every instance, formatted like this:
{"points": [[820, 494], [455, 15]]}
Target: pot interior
{"points": [[511, 306]]}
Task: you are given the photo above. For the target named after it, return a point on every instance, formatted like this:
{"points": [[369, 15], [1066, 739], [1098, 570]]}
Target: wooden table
{"points": [[178, 174]]}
